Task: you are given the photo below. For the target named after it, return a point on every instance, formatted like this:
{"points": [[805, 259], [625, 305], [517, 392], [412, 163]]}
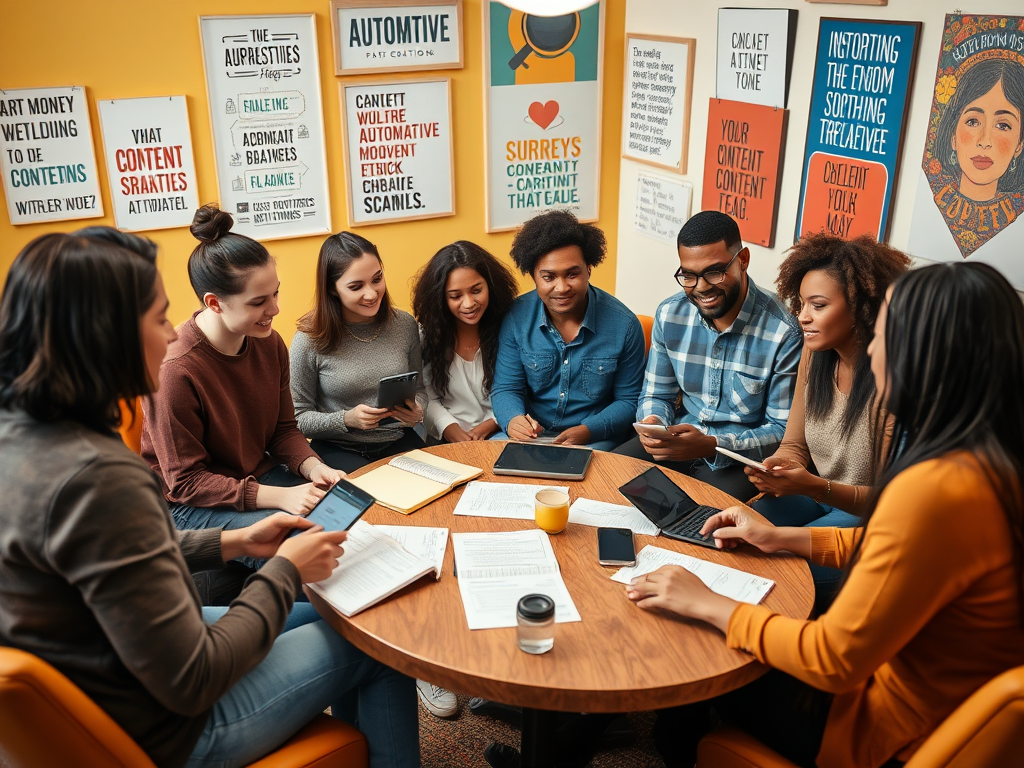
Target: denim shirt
{"points": [[593, 380], [736, 385]]}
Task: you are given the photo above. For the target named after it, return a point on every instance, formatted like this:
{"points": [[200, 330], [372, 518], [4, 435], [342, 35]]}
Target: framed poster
{"points": [[398, 150], [861, 89], [263, 84], [542, 111], [150, 166], [662, 206], [974, 151], [743, 165], [755, 55], [396, 35], [47, 156], [656, 103]]}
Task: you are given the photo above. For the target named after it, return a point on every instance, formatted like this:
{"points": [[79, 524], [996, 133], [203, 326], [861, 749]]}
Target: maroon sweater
{"points": [[220, 421]]}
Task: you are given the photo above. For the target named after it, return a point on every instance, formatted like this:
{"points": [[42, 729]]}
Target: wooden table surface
{"points": [[619, 658]]}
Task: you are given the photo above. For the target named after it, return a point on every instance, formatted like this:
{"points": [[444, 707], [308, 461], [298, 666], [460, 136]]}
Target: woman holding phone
{"points": [[351, 339], [932, 605]]}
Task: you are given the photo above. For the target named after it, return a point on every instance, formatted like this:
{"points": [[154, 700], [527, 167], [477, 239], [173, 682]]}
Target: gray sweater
{"points": [[325, 386], [94, 581]]}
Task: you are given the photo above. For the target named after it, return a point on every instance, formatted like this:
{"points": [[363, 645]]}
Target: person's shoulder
{"points": [[406, 322], [523, 306], [767, 305], [183, 347], [676, 307]]}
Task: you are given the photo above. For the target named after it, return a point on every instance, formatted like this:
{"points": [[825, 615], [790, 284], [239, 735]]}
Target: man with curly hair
{"points": [[570, 356], [722, 364]]}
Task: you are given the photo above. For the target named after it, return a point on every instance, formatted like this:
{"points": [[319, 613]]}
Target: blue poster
{"points": [[855, 128]]}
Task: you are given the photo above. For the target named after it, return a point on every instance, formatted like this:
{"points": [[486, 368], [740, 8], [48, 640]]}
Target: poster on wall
{"points": [[656, 103], [398, 150], [743, 164], [263, 84], [542, 77], [859, 98], [973, 165], [662, 206], [396, 35], [47, 156], [755, 55], [150, 167]]}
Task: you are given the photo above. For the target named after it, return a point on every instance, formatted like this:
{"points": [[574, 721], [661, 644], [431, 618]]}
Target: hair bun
{"points": [[211, 223]]}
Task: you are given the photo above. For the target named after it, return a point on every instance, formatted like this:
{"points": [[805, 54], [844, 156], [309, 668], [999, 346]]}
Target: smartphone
{"points": [[395, 390], [651, 430], [340, 507], [741, 459], [615, 546]]}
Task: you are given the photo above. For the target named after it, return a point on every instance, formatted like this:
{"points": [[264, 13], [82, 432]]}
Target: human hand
{"points": [[323, 476], [675, 589], [684, 443], [783, 478], [454, 433], [735, 525], [524, 427], [295, 501], [262, 538], [314, 553], [574, 436], [483, 430], [410, 414], [364, 417]]}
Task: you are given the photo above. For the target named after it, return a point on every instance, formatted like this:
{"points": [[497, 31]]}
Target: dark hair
{"points": [[222, 261], [430, 305], [553, 230], [975, 83], [137, 244], [325, 323], [954, 347], [708, 227], [69, 330], [864, 268]]}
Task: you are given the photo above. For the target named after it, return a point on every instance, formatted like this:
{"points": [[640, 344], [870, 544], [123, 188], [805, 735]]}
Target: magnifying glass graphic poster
{"points": [[543, 77]]}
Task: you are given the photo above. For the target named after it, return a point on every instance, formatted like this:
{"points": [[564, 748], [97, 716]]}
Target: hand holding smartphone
{"points": [[651, 430], [340, 507]]}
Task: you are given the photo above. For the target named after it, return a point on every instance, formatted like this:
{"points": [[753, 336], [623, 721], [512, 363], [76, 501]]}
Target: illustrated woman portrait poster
{"points": [[974, 153]]}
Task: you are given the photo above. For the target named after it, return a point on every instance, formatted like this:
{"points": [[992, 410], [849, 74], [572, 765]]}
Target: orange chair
{"points": [[45, 721], [648, 323], [986, 731], [131, 424]]}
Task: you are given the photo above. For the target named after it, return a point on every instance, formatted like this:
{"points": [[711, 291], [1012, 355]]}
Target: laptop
{"points": [[669, 507]]}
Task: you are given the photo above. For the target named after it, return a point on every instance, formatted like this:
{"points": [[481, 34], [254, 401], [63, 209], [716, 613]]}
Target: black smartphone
{"points": [[615, 546], [395, 390], [340, 507]]}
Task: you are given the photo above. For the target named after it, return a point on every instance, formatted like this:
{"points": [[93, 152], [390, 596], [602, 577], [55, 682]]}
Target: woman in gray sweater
{"points": [[351, 339]]}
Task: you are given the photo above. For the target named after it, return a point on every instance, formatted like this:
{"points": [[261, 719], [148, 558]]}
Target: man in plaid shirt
{"points": [[722, 364]]}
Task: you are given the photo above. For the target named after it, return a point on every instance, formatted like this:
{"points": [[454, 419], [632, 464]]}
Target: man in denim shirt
{"points": [[570, 356], [727, 352]]}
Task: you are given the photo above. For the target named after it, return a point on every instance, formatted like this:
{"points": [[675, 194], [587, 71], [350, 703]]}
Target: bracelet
{"points": [[828, 491]]}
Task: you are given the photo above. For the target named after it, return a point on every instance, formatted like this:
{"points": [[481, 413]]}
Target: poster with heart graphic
{"points": [[543, 113]]}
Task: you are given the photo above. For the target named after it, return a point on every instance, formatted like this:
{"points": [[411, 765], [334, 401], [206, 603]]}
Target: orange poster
{"points": [[742, 164]]}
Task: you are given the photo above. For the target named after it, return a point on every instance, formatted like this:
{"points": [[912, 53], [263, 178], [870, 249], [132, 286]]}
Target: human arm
{"points": [[436, 418], [657, 403], [305, 387], [508, 393], [484, 429], [615, 418], [288, 445]]}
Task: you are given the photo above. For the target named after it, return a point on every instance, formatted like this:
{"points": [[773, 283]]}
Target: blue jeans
{"points": [[597, 445], [310, 668]]}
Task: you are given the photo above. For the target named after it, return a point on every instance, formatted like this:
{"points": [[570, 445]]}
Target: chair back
{"points": [[648, 323], [131, 424]]}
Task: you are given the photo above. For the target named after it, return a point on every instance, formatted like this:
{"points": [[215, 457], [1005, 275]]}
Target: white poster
{"points": [[398, 151], [371, 37], [263, 83], [754, 55], [543, 92], [47, 155], [150, 167], [662, 206], [656, 108]]}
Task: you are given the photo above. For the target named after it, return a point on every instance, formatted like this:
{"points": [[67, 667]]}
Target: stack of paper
{"points": [[601, 514], [729, 582], [511, 500], [427, 543], [496, 569]]}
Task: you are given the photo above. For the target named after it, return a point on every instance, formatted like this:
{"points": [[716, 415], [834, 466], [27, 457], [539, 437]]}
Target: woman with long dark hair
{"points": [[460, 298], [932, 605], [94, 579], [352, 338]]}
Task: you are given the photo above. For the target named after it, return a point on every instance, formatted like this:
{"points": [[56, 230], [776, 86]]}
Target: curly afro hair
{"points": [[553, 230]]}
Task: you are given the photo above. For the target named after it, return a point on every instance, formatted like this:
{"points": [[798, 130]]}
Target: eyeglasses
{"points": [[712, 276]]}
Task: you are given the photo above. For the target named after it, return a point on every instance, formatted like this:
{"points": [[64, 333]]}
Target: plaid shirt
{"points": [[737, 385]]}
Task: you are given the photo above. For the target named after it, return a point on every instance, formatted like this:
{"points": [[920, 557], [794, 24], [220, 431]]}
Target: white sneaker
{"points": [[438, 701]]}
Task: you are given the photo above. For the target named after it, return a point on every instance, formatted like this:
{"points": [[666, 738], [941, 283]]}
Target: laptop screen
{"points": [[662, 501]]}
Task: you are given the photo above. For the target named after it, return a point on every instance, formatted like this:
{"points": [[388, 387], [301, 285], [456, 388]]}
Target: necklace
{"points": [[376, 333]]}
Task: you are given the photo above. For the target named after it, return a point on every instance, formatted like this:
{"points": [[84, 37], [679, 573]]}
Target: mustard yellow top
{"points": [[930, 613]]}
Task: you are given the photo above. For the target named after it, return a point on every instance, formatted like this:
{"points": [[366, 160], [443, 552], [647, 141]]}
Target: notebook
{"points": [[413, 480]]}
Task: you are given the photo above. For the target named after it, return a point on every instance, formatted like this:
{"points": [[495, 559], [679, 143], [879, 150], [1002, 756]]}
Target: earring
{"points": [[952, 157]]}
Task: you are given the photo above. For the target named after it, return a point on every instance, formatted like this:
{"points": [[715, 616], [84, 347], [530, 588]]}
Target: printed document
{"points": [[428, 543], [601, 514], [729, 582], [511, 500]]}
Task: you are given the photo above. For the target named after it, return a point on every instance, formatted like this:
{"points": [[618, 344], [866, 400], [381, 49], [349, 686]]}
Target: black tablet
{"points": [[340, 507], [395, 390], [669, 507], [550, 461]]}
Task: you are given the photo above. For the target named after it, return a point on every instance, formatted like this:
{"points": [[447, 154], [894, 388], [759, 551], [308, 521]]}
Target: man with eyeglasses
{"points": [[722, 364]]}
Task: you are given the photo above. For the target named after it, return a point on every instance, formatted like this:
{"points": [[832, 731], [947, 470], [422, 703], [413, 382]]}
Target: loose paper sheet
{"points": [[601, 514], [510, 500]]}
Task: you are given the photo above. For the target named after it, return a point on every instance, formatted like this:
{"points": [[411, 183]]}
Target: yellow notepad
{"points": [[413, 480]]}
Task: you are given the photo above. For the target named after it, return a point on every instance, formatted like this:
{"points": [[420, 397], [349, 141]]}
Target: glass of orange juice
{"points": [[551, 510]]}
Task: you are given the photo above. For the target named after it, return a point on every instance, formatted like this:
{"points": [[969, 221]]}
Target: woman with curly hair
{"points": [[460, 299], [823, 470]]}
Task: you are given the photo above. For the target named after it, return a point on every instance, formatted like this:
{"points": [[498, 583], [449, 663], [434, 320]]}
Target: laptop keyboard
{"points": [[690, 525]]}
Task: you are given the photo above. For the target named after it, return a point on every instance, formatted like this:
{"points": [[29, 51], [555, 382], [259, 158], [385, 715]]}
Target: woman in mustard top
{"points": [[932, 607]]}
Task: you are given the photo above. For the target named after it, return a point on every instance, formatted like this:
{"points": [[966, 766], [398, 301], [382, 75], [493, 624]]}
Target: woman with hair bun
{"points": [[223, 424]]}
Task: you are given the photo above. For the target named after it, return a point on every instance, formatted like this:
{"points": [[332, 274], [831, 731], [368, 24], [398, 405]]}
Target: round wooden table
{"points": [[619, 658]]}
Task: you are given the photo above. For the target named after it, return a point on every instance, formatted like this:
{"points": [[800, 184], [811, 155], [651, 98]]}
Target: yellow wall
{"points": [[128, 48]]}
